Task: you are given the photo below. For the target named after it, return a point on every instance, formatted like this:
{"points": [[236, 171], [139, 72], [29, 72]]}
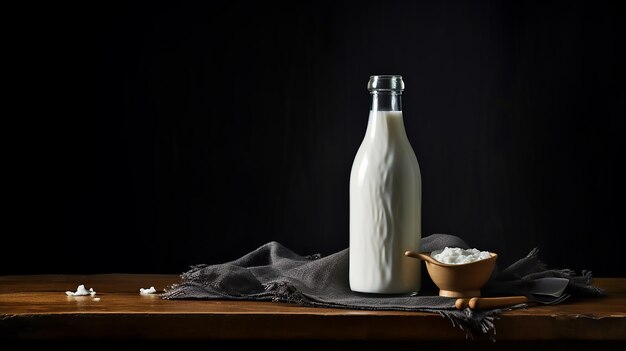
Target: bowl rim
{"points": [[425, 256]]}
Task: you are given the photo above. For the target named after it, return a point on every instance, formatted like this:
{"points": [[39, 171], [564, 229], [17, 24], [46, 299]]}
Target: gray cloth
{"points": [[273, 272]]}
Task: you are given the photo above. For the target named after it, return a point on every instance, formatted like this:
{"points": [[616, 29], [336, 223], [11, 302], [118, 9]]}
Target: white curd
{"points": [[456, 255]]}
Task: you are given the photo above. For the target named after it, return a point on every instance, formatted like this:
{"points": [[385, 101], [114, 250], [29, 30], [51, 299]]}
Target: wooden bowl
{"points": [[457, 280]]}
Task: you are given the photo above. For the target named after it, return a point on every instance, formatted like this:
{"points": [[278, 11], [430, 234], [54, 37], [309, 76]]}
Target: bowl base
{"points": [[468, 293]]}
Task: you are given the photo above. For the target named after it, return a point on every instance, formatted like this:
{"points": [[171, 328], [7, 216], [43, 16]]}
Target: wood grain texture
{"points": [[36, 307]]}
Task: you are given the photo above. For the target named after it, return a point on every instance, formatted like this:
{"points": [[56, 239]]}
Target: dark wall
{"points": [[194, 133]]}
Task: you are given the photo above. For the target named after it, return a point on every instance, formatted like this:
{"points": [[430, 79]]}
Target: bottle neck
{"points": [[386, 101]]}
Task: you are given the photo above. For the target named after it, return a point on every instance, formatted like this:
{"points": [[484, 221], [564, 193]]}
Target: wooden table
{"points": [[36, 308]]}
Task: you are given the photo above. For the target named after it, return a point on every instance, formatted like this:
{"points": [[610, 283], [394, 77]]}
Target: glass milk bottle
{"points": [[385, 198]]}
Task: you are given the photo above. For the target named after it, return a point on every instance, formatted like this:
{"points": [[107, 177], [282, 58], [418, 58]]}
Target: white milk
{"points": [[385, 209]]}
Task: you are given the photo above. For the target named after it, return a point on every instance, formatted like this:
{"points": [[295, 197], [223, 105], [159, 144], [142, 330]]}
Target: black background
{"points": [[183, 134]]}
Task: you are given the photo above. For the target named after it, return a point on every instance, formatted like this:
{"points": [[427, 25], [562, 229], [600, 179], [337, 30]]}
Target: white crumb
{"points": [[143, 291], [81, 291], [96, 299]]}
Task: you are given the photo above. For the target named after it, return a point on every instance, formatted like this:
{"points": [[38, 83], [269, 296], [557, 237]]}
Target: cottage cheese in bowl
{"points": [[456, 255]]}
